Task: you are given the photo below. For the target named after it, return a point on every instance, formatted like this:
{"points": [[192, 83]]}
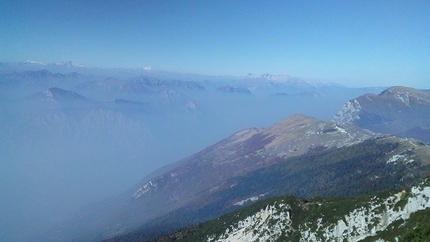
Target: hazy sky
{"points": [[350, 42]]}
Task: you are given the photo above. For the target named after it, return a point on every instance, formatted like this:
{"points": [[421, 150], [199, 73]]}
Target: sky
{"points": [[354, 43]]}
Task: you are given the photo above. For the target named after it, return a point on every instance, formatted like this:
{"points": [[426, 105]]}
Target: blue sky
{"points": [[351, 42]]}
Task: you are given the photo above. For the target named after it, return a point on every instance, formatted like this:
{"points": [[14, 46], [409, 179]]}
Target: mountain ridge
{"points": [[396, 110], [284, 135], [231, 172], [377, 164]]}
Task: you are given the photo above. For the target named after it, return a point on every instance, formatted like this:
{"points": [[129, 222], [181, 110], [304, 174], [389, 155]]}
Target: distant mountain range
{"points": [[69, 66], [257, 84]]}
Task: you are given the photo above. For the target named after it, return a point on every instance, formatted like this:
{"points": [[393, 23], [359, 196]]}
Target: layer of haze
{"points": [[355, 43], [57, 156], [60, 151]]}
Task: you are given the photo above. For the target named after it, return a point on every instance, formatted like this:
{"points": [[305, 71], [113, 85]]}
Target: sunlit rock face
{"points": [[265, 225], [348, 113], [375, 216], [364, 219]]}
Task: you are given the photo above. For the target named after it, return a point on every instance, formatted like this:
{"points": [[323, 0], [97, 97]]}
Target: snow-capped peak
{"points": [[148, 68], [270, 77], [34, 62], [70, 64], [283, 78]]}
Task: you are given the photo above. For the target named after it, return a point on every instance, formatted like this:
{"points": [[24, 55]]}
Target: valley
{"points": [[141, 155]]}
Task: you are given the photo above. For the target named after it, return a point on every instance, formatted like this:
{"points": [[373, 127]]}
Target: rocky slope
{"points": [[398, 110], [383, 216]]}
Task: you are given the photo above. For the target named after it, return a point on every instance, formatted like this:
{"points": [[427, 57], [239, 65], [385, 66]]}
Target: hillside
{"points": [[207, 172], [401, 111], [382, 216], [362, 168]]}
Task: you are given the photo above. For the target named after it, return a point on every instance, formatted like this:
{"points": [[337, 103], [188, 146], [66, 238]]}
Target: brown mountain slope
{"points": [[206, 172], [372, 165], [244, 152]]}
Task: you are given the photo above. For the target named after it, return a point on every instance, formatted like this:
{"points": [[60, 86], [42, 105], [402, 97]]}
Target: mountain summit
{"points": [[398, 110]]}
